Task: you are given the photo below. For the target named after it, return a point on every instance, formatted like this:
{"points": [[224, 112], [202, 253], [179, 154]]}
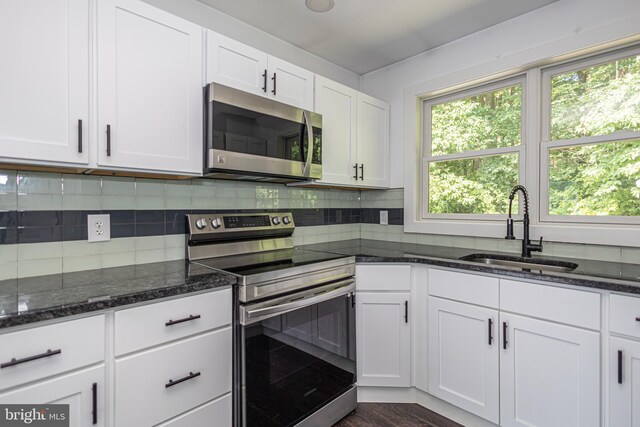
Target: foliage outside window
{"points": [[473, 150], [591, 145]]}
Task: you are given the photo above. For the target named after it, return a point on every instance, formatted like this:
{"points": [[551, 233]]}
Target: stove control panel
{"points": [[217, 223]]}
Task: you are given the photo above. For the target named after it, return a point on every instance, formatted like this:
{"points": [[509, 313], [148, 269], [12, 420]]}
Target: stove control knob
{"points": [[275, 220], [286, 220], [201, 223], [216, 222]]}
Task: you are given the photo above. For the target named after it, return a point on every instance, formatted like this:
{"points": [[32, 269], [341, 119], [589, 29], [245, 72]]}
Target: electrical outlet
{"points": [[384, 217], [99, 228]]}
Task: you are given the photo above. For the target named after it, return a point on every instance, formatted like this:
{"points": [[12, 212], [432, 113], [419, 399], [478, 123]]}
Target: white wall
{"points": [[231, 27], [562, 27]]}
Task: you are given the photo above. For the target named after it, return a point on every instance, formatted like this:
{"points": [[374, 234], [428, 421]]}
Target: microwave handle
{"points": [[248, 316], [306, 170]]}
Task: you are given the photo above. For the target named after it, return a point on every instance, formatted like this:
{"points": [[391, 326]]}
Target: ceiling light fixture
{"points": [[320, 5]]}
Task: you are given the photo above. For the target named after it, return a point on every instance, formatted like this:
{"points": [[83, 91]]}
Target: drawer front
{"points": [[470, 288], [568, 306], [625, 315], [50, 350], [383, 278], [142, 395], [216, 413], [159, 323]]}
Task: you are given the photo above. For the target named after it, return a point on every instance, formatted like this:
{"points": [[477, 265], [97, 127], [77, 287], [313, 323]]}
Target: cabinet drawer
{"points": [[63, 346], [568, 306], [144, 394], [203, 416], [625, 315], [154, 324], [383, 278], [478, 290]]}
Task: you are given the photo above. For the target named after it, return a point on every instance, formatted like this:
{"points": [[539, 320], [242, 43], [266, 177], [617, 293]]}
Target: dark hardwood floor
{"points": [[394, 415]]}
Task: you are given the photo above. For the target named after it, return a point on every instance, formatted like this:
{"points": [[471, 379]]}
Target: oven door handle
{"points": [[297, 301], [306, 170]]}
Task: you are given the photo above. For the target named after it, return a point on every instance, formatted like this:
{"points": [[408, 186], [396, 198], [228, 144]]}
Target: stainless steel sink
{"points": [[518, 263]]}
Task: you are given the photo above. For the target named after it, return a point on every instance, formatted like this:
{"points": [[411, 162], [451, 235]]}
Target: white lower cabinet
{"points": [[383, 339], [549, 374], [83, 391], [624, 383], [464, 357]]}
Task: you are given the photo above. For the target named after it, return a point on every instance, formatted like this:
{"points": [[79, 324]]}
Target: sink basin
{"points": [[520, 263]]}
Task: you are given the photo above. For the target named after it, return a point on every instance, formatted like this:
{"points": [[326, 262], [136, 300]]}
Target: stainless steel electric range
{"points": [[294, 332]]}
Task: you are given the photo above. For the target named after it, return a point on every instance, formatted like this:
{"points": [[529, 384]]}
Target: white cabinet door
{"points": [[237, 65], [383, 339], [464, 357], [78, 390], [624, 383], [373, 142], [149, 89], [290, 84], [44, 80], [549, 374], [337, 104]]}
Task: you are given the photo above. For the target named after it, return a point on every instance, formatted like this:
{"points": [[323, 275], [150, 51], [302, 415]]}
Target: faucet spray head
{"points": [[510, 235]]}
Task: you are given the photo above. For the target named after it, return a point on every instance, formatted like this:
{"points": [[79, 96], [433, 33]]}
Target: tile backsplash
{"points": [[43, 220]]}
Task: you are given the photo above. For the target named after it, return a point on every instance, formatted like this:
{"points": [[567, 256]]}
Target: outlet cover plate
{"points": [[384, 217], [99, 228]]}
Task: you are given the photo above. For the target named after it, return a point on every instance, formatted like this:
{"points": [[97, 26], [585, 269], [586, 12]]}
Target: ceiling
{"points": [[364, 35]]}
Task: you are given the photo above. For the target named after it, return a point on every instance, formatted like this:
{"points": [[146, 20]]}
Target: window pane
{"points": [[596, 179], [488, 120], [473, 186], [597, 100]]}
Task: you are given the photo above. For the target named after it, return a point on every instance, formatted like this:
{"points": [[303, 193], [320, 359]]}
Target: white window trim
{"points": [[500, 68], [427, 157]]}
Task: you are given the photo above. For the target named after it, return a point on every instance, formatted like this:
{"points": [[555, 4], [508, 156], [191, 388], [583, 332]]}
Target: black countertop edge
{"points": [[558, 278], [205, 282]]}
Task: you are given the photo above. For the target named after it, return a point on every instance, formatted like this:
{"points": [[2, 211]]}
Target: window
{"points": [[590, 149], [473, 150]]}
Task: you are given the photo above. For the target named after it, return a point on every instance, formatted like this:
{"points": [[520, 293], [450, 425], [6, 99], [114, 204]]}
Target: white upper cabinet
{"points": [[337, 104], [355, 136], [373, 141], [237, 65], [44, 81], [149, 89]]}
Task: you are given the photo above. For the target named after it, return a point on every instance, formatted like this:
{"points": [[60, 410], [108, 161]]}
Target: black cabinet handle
{"points": [[264, 81], [274, 83], [619, 366], [355, 171], [186, 319], [406, 312], [637, 319], [108, 140], [362, 171], [15, 361], [490, 331], [94, 407], [353, 300], [504, 335], [191, 375], [79, 136]]}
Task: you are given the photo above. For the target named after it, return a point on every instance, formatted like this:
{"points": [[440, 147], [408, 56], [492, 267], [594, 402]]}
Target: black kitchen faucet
{"points": [[527, 246]]}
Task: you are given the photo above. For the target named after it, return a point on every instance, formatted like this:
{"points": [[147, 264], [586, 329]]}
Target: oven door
{"points": [[297, 353]]}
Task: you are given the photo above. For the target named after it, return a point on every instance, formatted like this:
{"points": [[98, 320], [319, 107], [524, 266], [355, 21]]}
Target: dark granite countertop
{"points": [[40, 298], [612, 276]]}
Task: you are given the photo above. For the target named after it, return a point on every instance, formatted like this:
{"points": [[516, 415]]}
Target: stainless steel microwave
{"points": [[250, 137]]}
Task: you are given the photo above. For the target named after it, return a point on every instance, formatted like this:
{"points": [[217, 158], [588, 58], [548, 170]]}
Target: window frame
{"points": [[427, 158], [545, 144]]}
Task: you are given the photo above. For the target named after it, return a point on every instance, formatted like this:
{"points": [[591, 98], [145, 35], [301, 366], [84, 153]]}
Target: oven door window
{"points": [[295, 363]]}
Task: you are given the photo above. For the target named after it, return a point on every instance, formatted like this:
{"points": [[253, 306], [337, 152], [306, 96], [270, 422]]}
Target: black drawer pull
{"points": [[490, 331], [619, 366], [637, 319], [94, 408], [504, 335], [15, 361], [191, 375], [186, 319]]}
